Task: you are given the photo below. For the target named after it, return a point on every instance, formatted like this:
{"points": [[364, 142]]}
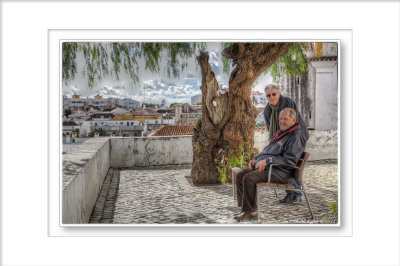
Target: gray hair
{"points": [[273, 85], [292, 113]]}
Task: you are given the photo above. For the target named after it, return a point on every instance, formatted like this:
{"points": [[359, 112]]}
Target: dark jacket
{"points": [[285, 149], [283, 103]]}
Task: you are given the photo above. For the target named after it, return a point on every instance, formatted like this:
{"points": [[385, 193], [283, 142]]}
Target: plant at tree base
{"points": [[221, 171]]}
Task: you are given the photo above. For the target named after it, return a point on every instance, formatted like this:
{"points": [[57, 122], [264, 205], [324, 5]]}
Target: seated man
{"points": [[286, 148]]}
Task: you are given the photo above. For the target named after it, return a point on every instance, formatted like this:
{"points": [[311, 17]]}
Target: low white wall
{"points": [[84, 170], [139, 151], [322, 144], [67, 147]]}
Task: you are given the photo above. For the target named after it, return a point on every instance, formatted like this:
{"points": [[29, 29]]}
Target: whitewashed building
{"points": [[113, 127], [129, 103], [316, 92], [81, 102]]}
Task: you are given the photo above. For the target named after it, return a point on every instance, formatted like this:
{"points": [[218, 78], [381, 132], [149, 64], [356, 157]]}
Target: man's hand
{"points": [[261, 165], [252, 163]]}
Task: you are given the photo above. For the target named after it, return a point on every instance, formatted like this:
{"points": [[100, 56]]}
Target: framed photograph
{"points": [[110, 156]]}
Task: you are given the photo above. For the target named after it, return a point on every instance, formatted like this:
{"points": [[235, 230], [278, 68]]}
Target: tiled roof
{"points": [[173, 130], [144, 112]]}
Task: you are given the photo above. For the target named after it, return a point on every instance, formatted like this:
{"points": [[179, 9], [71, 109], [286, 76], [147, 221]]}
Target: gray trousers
{"points": [[246, 184]]}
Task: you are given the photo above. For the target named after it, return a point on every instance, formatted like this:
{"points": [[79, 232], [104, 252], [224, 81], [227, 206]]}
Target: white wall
{"points": [[84, 170], [322, 144], [138, 151], [325, 87]]}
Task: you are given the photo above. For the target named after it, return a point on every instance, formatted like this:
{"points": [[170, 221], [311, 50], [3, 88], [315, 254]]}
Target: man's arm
{"points": [[292, 153]]}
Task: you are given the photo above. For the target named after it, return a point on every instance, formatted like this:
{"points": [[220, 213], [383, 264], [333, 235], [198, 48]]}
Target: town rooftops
{"points": [[173, 130], [102, 115], [69, 123], [144, 112]]}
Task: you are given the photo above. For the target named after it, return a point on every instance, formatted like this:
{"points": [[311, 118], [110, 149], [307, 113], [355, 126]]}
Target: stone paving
{"points": [[164, 196]]}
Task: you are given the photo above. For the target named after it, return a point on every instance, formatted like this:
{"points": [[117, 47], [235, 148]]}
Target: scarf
{"points": [[274, 123]]}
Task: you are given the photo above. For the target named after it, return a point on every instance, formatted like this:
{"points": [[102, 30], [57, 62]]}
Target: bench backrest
{"points": [[301, 163]]}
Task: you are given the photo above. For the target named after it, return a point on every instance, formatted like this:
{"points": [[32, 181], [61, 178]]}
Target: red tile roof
{"points": [[173, 130]]}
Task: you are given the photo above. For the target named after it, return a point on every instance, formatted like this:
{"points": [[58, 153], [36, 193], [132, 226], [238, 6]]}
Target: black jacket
{"points": [[286, 148], [283, 103]]}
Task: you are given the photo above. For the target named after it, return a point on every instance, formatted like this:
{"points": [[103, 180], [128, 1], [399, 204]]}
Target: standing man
{"points": [[285, 149], [276, 103]]}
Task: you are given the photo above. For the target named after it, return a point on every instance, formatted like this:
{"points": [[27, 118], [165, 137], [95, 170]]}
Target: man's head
{"points": [[272, 94], [287, 118]]}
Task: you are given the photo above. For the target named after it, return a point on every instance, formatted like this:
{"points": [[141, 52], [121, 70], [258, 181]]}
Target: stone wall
{"points": [[322, 144], [138, 152], [84, 169]]}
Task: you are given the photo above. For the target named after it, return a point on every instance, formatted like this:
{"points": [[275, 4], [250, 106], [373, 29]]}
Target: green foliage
{"points": [[332, 217], [67, 112], [221, 167], [228, 163], [197, 147], [101, 132], [124, 56], [293, 63], [173, 104], [333, 208], [69, 67], [236, 161]]}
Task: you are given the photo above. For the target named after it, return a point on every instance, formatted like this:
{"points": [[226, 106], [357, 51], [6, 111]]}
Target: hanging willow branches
{"points": [[103, 59]]}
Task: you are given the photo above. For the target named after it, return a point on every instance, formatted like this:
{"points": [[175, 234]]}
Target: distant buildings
{"points": [[85, 103], [94, 117], [129, 103], [98, 102], [257, 98], [140, 114]]}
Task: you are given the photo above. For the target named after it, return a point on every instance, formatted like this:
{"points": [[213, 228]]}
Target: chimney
{"points": [[178, 112]]}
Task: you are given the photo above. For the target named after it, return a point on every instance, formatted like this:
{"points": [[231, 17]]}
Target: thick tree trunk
{"points": [[228, 120]]}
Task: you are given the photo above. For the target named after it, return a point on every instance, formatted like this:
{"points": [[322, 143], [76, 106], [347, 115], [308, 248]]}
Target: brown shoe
{"points": [[243, 216]]}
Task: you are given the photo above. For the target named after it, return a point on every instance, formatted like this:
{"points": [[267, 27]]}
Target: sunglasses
{"points": [[273, 94]]}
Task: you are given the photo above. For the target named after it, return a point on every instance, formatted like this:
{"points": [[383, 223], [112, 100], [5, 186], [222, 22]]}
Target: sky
{"points": [[153, 88]]}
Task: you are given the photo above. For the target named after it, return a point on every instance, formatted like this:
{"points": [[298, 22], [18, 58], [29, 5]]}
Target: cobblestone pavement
{"points": [[164, 196]]}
